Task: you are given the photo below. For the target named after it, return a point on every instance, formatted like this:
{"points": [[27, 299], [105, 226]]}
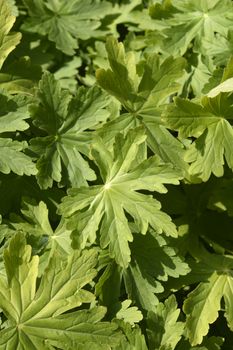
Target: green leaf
{"points": [[65, 22], [162, 10], [8, 41], [214, 80], [204, 302], [14, 8], [103, 207], [199, 73], [220, 48], [98, 248], [135, 88], [122, 81], [226, 86], [67, 74], [12, 118], [36, 313], [142, 90], [13, 188], [37, 228], [209, 121], [12, 159], [130, 314], [135, 340], [20, 76], [13, 113], [192, 21], [211, 343], [146, 273], [133, 14], [108, 287], [163, 329], [66, 121]]}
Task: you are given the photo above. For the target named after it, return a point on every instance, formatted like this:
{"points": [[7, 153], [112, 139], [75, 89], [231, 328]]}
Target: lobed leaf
{"points": [[66, 121], [103, 207], [38, 314]]}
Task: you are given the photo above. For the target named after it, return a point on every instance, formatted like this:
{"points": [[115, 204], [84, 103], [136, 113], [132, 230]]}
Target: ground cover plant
{"points": [[116, 183]]}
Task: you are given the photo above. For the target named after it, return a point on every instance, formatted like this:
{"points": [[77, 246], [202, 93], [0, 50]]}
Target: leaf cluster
{"points": [[116, 177]]}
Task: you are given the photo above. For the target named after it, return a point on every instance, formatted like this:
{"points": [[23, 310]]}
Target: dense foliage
{"points": [[116, 184]]}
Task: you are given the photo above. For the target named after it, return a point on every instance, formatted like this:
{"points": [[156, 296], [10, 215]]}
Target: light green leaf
{"points": [[103, 207], [204, 302], [209, 121], [36, 313], [129, 314], [163, 329], [202, 307], [67, 121], [189, 118], [14, 112], [14, 8], [226, 86], [12, 159], [220, 48], [12, 118], [208, 152], [7, 41], [199, 73]]}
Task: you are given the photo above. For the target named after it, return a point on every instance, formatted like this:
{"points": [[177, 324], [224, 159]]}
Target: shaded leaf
{"points": [[66, 121]]}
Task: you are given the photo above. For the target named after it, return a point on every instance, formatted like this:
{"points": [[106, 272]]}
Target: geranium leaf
{"points": [[39, 315], [104, 206]]}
